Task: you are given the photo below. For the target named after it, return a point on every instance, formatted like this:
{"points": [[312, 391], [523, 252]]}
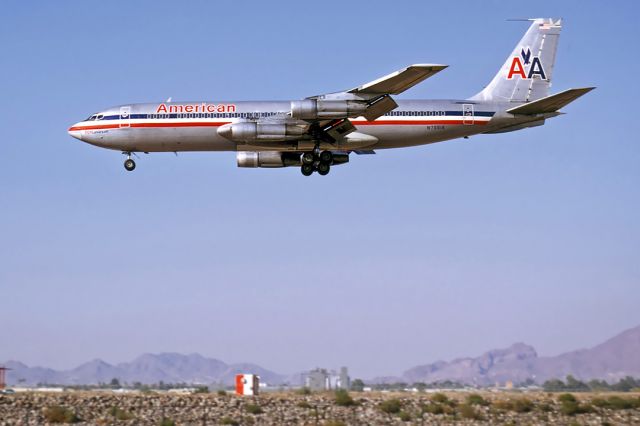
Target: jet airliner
{"points": [[322, 131]]}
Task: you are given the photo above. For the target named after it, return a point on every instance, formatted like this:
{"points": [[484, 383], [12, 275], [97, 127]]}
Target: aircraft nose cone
{"points": [[75, 132], [225, 131]]}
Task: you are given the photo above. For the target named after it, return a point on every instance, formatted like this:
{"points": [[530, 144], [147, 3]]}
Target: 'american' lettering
{"points": [[202, 107]]}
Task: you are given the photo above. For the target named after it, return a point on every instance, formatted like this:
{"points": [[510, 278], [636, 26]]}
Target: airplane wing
{"points": [[399, 81], [375, 97], [327, 117]]}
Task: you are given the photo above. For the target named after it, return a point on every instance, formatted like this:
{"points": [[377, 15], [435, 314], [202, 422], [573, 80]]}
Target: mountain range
{"points": [[147, 368], [614, 359], [611, 360]]}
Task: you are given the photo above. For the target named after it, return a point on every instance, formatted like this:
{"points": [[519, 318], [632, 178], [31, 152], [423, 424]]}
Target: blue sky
{"points": [[402, 258]]}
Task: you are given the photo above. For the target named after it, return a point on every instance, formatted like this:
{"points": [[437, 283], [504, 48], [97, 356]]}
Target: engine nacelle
{"points": [[272, 159], [313, 109], [268, 159], [340, 159], [251, 131]]}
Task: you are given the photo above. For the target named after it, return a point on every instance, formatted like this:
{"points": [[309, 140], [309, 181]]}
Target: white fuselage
{"points": [[193, 126]]}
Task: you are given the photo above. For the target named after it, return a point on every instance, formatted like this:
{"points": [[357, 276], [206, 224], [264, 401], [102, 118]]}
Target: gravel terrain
{"points": [[106, 408]]}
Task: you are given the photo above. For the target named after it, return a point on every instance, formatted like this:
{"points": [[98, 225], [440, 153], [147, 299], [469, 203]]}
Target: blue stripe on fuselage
{"points": [[246, 115]]}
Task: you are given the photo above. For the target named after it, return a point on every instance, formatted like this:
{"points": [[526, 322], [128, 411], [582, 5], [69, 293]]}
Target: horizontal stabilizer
{"points": [[551, 103], [399, 81]]}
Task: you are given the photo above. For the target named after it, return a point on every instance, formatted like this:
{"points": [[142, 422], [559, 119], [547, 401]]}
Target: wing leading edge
{"points": [[399, 81]]}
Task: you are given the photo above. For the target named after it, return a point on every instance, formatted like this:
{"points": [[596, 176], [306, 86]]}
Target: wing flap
{"points": [[551, 103], [380, 107], [399, 81]]}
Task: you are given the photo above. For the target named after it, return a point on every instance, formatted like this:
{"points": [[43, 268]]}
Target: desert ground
{"points": [[299, 408]]}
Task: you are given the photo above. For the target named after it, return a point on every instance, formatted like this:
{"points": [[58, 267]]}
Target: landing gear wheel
{"points": [[307, 169], [326, 157], [308, 158], [129, 164], [323, 169]]}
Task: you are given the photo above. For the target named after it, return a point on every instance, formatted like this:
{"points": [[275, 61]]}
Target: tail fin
{"points": [[526, 74]]}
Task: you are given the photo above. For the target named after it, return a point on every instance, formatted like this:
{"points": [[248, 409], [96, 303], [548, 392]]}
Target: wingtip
{"points": [[436, 66]]}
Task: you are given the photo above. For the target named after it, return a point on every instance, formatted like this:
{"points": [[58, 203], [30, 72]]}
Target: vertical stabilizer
{"points": [[526, 74]]}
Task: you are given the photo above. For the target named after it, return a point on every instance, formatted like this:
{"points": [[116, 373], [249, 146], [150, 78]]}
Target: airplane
{"points": [[322, 131]]}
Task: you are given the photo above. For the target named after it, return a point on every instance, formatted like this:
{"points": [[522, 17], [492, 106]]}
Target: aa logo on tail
{"points": [[526, 66]]}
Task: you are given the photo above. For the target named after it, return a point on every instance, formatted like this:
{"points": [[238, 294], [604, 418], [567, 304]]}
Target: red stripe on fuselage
{"points": [[180, 124]]}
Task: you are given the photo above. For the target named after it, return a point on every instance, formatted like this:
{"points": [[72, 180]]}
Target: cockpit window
{"points": [[99, 117], [91, 117]]}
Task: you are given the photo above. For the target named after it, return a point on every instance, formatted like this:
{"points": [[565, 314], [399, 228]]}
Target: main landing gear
{"points": [[316, 161], [129, 164]]}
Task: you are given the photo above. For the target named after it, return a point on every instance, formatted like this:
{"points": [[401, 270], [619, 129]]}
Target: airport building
{"points": [[320, 379]]}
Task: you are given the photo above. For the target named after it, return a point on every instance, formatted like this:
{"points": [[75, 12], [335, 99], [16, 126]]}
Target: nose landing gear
{"points": [[129, 164]]}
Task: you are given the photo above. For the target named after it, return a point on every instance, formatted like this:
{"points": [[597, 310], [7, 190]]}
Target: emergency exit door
{"points": [[467, 114], [125, 116]]}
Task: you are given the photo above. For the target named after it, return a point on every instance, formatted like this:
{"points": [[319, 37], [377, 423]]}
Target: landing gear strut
{"points": [[317, 160], [129, 164]]}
